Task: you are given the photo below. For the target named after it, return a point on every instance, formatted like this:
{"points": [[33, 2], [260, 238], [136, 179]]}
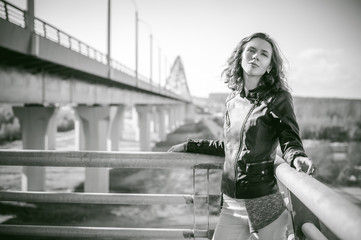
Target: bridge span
{"points": [[43, 68]]}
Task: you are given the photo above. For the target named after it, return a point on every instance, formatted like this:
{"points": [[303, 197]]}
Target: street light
{"points": [[150, 49], [136, 39]]}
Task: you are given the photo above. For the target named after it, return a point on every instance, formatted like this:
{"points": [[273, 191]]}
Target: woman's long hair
{"points": [[270, 82]]}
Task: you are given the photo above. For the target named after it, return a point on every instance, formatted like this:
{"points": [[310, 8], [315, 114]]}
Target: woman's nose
{"points": [[255, 56]]}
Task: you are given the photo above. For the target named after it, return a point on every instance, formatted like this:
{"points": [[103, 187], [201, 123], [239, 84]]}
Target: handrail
{"points": [[13, 14], [105, 159], [109, 198], [102, 159], [311, 232], [102, 233], [54, 34], [339, 215]]}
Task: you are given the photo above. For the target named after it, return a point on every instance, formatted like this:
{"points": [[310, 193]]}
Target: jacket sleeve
{"points": [[287, 127], [209, 147]]}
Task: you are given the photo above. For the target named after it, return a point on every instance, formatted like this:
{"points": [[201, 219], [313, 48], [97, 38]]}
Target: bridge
{"points": [[43, 68]]}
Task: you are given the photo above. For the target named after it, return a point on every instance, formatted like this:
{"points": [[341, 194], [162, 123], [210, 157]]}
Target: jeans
{"points": [[233, 223]]}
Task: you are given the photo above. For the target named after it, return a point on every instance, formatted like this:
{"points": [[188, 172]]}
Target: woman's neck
{"points": [[250, 83]]}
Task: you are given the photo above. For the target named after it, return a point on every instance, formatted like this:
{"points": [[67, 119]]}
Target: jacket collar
{"points": [[254, 95]]}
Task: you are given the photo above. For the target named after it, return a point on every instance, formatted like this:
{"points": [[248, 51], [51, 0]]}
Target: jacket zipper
{"points": [[239, 149]]}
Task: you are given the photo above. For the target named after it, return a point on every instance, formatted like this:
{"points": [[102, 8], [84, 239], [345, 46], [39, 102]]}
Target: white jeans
{"points": [[233, 223]]}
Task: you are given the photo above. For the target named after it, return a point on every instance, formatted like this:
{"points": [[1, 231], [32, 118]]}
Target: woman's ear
{"points": [[269, 69]]}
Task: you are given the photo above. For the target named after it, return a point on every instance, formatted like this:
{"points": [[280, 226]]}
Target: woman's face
{"points": [[256, 57]]}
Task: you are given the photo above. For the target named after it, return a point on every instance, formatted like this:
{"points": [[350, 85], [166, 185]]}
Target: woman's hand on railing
{"points": [[299, 162], [182, 147]]}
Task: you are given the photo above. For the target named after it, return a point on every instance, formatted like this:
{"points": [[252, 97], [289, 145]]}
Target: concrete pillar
{"points": [[135, 123], [161, 112], [35, 129], [180, 114], [189, 111], [94, 124], [144, 112], [170, 118], [116, 126], [156, 120], [176, 116], [52, 130]]}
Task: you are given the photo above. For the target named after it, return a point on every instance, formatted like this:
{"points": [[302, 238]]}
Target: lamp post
{"points": [[136, 44], [150, 50], [108, 38]]}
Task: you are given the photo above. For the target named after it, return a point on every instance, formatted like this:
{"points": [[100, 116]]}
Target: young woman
{"points": [[259, 114]]}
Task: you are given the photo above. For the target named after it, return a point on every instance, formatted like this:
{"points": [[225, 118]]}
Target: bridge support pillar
{"points": [[177, 116], [117, 126], [94, 124], [170, 118], [181, 114], [37, 132], [144, 112], [155, 120], [161, 123], [189, 111]]}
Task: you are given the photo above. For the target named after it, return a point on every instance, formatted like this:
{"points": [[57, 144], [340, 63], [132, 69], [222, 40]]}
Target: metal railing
{"points": [[111, 160], [15, 15], [317, 211]]}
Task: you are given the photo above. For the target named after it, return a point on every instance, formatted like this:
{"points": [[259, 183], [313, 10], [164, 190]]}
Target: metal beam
{"points": [[101, 233], [339, 215], [106, 159]]}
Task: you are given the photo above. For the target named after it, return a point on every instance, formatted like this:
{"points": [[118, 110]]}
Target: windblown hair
{"points": [[270, 82]]}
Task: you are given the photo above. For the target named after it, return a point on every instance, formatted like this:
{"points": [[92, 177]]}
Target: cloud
{"points": [[322, 72]]}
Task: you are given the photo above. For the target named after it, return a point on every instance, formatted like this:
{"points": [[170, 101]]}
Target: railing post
{"points": [[6, 11], [58, 35], [69, 39], [44, 29], [194, 197], [301, 214]]}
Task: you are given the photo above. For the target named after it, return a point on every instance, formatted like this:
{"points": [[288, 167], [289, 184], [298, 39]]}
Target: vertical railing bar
{"points": [[6, 11], [194, 197], [58, 35], [44, 29], [208, 199], [69, 39]]}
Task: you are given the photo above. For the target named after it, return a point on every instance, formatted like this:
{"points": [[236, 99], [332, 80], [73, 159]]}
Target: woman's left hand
{"points": [[298, 162]]}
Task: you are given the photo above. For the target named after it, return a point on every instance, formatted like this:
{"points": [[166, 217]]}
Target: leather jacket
{"points": [[253, 127]]}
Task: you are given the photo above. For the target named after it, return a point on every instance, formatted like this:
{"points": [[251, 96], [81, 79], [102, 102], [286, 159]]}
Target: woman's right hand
{"points": [[178, 148]]}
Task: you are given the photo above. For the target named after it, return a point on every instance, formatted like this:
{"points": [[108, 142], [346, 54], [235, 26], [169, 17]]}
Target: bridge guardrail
{"points": [[17, 16], [12, 13], [317, 211]]}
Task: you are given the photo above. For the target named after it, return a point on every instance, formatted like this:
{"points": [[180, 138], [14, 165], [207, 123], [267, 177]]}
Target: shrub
{"points": [[334, 133], [328, 172], [65, 120]]}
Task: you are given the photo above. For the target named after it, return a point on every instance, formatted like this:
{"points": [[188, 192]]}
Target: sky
{"points": [[320, 39]]}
